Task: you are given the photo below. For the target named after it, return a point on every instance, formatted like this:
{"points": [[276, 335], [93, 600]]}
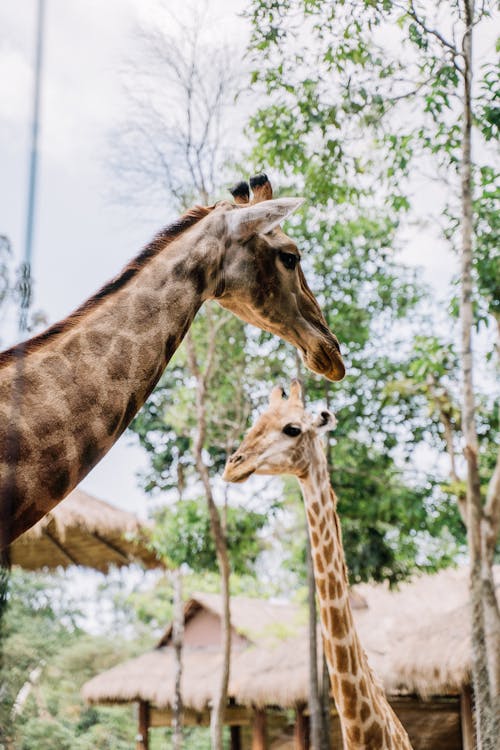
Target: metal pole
{"points": [[25, 280]]}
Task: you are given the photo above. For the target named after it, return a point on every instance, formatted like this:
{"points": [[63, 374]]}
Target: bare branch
{"points": [[492, 508]]}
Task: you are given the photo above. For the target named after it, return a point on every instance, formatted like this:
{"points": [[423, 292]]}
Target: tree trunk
{"points": [[314, 701], [202, 378], [177, 638], [325, 707], [484, 658], [220, 700]]}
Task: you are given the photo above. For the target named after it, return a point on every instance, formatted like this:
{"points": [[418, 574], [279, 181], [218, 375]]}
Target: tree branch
{"points": [[492, 509]]}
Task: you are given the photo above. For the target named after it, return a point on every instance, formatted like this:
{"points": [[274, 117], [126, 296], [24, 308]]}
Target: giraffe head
{"points": [[260, 278], [283, 440]]}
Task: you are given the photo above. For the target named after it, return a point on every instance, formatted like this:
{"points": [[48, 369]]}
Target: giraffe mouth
{"points": [[234, 476], [238, 479], [236, 471], [325, 359]]}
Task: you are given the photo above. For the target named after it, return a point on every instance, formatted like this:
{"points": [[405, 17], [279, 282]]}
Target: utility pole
{"points": [[25, 279]]}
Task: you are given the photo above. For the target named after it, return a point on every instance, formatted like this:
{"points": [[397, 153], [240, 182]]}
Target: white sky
{"points": [[81, 237]]}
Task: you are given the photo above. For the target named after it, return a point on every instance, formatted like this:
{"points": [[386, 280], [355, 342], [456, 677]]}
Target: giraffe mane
{"points": [[163, 238]]}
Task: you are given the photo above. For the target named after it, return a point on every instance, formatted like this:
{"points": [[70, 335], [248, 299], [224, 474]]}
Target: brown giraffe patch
{"points": [[353, 657], [328, 551], [350, 699], [97, 342], [364, 712], [332, 588], [119, 369], [321, 585], [311, 518], [338, 622], [319, 563], [353, 734], [341, 658], [373, 736]]}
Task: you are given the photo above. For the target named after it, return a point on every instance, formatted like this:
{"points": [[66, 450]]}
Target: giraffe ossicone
{"points": [[287, 439], [67, 394]]}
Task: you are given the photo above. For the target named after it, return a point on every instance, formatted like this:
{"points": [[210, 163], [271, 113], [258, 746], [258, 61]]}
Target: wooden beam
{"points": [[142, 738], [259, 733], [112, 546], [301, 729], [72, 560], [466, 720], [233, 716]]}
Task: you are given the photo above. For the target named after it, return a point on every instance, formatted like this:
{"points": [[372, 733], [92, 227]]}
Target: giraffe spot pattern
{"points": [[354, 734], [341, 658], [338, 622], [364, 712], [373, 736], [350, 699]]}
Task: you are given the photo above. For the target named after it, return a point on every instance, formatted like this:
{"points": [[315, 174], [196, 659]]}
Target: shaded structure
{"points": [[417, 640], [85, 531]]}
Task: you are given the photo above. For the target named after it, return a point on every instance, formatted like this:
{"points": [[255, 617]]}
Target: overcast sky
{"points": [[82, 238]]}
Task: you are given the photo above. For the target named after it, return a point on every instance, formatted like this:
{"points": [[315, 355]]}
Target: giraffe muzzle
{"points": [[237, 468], [325, 359]]}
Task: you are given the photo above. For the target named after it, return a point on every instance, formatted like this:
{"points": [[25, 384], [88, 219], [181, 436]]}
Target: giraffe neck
{"points": [[368, 721], [75, 393]]}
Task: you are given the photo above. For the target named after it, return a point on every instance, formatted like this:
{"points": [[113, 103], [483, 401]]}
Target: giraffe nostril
{"points": [[236, 459]]}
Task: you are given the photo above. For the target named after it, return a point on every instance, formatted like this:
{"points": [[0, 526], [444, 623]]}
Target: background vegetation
{"points": [[359, 107]]}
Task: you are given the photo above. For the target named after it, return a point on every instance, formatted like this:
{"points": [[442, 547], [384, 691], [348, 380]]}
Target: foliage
{"points": [[47, 659], [182, 535], [363, 290], [166, 424]]}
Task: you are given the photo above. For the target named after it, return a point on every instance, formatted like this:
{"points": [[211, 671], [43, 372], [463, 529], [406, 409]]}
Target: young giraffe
{"points": [[67, 394], [287, 440]]}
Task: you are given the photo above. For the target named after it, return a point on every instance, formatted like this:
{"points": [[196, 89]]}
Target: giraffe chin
{"points": [[326, 361], [234, 476]]}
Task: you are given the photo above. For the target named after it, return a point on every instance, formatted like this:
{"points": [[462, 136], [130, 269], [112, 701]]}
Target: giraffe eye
{"points": [[289, 260], [292, 430]]}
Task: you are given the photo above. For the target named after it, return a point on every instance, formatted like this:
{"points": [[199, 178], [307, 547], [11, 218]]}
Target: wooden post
{"points": [[259, 739], [466, 720], [235, 737], [301, 730], [141, 741]]}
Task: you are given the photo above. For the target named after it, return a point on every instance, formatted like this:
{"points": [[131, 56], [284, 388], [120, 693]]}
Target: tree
{"points": [[337, 124], [175, 144], [47, 659], [419, 111], [449, 53], [365, 293]]}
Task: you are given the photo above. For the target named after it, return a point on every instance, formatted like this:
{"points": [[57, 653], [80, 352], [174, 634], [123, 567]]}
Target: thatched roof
{"points": [[417, 640], [274, 633], [426, 647], [83, 530], [256, 619]]}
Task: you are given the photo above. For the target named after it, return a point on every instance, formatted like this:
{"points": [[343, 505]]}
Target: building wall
{"points": [[204, 630]]}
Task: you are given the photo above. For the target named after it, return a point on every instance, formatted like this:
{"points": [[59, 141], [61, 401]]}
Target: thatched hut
{"points": [[414, 643], [85, 531]]}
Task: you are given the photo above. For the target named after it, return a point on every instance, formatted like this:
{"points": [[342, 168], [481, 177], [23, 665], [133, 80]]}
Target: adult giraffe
{"points": [[67, 394], [287, 440]]}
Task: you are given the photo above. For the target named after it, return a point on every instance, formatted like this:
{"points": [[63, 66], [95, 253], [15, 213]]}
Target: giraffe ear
{"points": [[325, 422], [260, 218]]}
